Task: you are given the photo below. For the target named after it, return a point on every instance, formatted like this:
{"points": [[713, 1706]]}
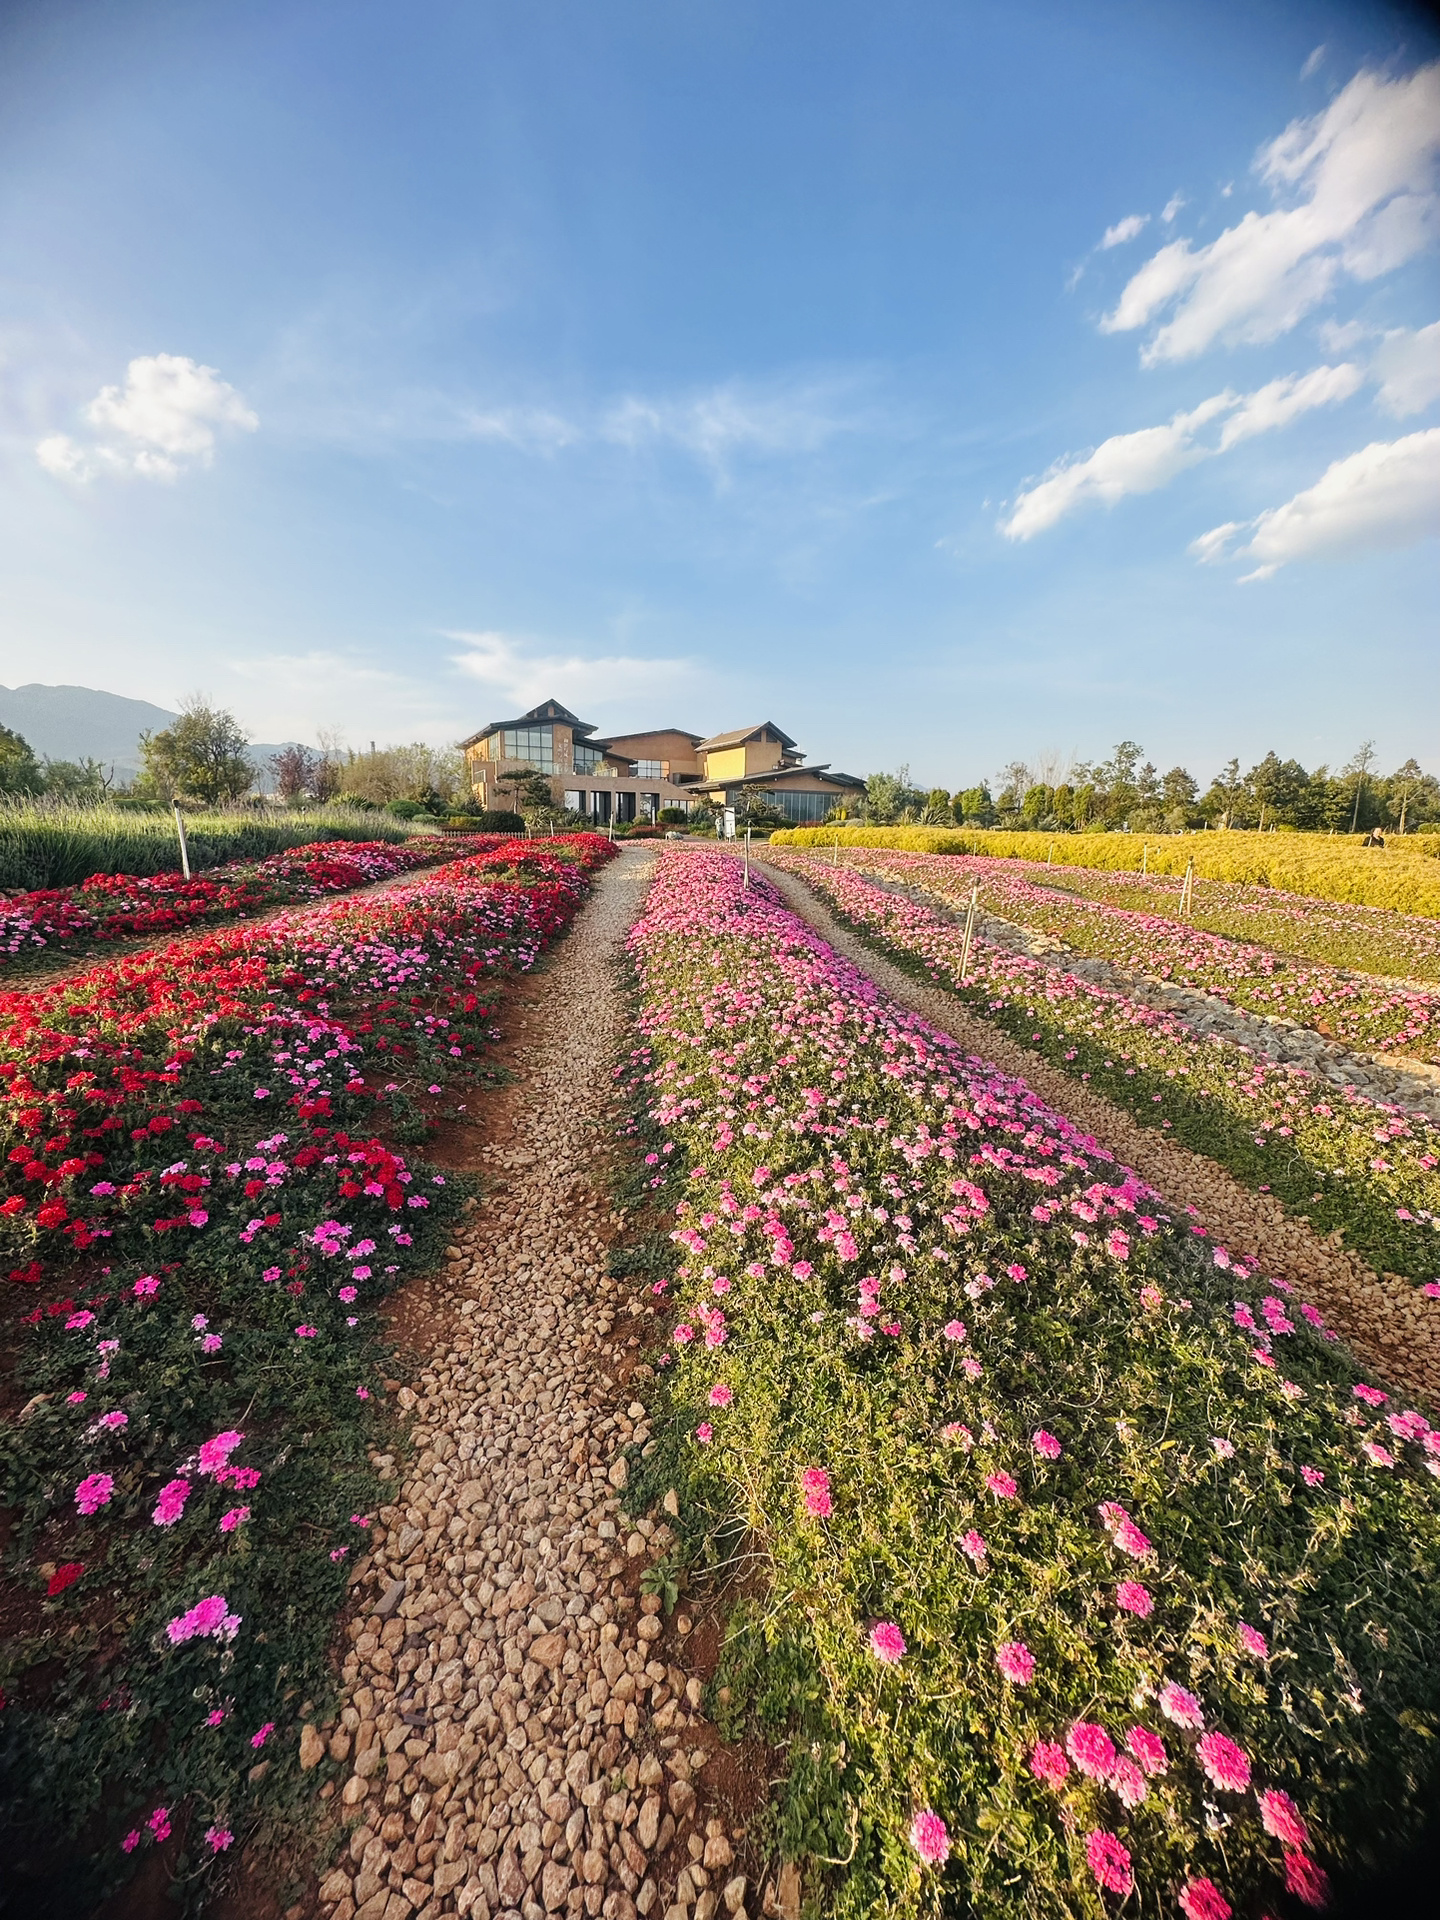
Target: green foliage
{"points": [[19, 771], [200, 758]]}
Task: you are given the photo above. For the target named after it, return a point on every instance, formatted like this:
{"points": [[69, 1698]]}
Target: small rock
{"points": [[312, 1747]]}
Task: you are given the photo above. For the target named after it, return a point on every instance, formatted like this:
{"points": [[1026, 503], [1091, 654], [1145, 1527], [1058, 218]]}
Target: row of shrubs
{"points": [[1332, 867]]}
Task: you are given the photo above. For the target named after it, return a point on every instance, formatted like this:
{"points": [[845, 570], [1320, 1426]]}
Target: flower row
{"points": [[109, 906], [220, 1220], [1358, 1010], [1097, 1567], [1345, 1162]]}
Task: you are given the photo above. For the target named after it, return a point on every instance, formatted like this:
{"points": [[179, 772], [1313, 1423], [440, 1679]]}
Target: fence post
{"points": [[1187, 892], [969, 932], [184, 850], [747, 861]]}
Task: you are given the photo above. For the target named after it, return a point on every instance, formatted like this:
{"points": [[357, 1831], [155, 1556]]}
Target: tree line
{"points": [[1128, 793]]}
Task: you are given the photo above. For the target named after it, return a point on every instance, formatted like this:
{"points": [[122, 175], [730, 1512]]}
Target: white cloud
{"points": [[520, 675], [163, 418], [529, 429], [1385, 496], [1124, 230], [1364, 173], [1312, 62], [1145, 461], [729, 419], [1172, 206], [1408, 368], [1281, 401]]}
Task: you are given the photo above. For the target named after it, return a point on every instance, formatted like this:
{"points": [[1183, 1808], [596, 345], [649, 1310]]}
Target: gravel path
{"points": [[1390, 1324], [521, 1731]]}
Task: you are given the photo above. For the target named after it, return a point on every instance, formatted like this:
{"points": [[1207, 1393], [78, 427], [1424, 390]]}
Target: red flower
{"points": [[64, 1577]]}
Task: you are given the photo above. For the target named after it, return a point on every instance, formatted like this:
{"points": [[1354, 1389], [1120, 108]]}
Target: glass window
{"points": [[587, 759], [533, 746], [648, 770]]}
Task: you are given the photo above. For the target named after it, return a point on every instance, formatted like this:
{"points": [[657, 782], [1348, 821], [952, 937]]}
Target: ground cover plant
{"points": [[1330, 867], [47, 845], [109, 906], [1361, 1012], [1346, 1162], [205, 1206], [1106, 1580]]}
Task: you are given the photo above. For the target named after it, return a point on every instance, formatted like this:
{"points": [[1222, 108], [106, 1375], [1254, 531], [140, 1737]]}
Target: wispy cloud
{"points": [[1123, 230], [528, 429], [162, 420], [1407, 366], [735, 418], [520, 672], [1146, 460], [1313, 62], [1363, 173], [1172, 206], [1385, 496]]}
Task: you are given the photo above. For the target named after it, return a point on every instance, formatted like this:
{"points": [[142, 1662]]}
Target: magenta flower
{"points": [[1109, 1861], [218, 1838], [171, 1504], [929, 1837], [145, 1286], [721, 1395], [1181, 1707], [236, 1517], [1377, 1454], [259, 1739], [1253, 1642], [1048, 1763], [215, 1717], [208, 1619], [704, 1433], [94, 1492], [973, 1544], [1016, 1662], [216, 1453], [112, 1422], [1129, 1782], [1281, 1817], [1001, 1485], [887, 1643], [304, 1332], [1225, 1764], [815, 1484], [1372, 1396], [159, 1823], [131, 1841], [1045, 1444], [1312, 1476], [1128, 1537], [1091, 1748], [1203, 1900], [1306, 1881], [1148, 1748], [1134, 1598]]}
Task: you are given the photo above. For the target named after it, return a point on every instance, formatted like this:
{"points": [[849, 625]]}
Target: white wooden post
{"points": [[184, 850], [747, 861], [969, 932]]}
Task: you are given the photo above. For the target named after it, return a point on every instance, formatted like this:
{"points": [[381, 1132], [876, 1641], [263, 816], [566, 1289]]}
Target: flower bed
{"points": [[1343, 1161], [1360, 1012], [203, 1221], [1403, 877], [108, 906], [1097, 1569]]}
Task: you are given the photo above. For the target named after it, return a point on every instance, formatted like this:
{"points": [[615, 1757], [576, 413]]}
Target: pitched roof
{"points": [[740, 735], [646, 733], [778, 776], [537, 717]]}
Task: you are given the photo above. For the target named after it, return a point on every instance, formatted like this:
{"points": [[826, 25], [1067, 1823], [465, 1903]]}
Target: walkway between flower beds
{"points": [[1384, 1321], [517, 1719]]}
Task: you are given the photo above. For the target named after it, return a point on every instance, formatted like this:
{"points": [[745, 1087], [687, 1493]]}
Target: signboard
{"points": [[729, 823]]}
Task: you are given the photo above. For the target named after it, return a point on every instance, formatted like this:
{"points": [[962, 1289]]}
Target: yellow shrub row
{"points": [[1328, 867]]}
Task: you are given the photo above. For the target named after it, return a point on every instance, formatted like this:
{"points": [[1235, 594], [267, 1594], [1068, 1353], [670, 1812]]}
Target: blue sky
{"points": [[390, 369]]}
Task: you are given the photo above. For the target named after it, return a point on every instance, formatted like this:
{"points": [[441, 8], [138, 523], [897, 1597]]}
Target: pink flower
{"points": [[259, 1739], [159, 1823], [131, 1841], [887, 1643], [704, 1433], [94, 1492], [1134, 1598], [145, 1286], [1307, 1881], [218, 1838], [208, 1619], [1048, 1762], [362, 1393], [954, 1330], [973, 1544], [306, 1332], [815, 1483], [1091, 1748], [929, 1837], [1376, 1454], [1312, 1476], [112, 1422], [236, 1517], [1129, 1782], [1109, 1861], [1253, 1642], [216, 1453], [1203, 1900], [1225, 1451], [1128, 1537], [215, 1717], [1148, 1748], [347, 1294], [1017, 1272], [1001, 1485], [171, 1504], [721, 1395], [1225, 1764], [1045, 1444], [1016, 1662], [1281, 1817], [1372, 1396], [1181, 1707]]}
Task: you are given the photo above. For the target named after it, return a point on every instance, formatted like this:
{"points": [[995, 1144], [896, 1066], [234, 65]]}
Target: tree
{"points": [[888, 795], [19, 770], [1359, 766], [1224, 793], [974, 807], [295, 769], [84, 782], [937, 811], [1412, 792], [201, 758]]}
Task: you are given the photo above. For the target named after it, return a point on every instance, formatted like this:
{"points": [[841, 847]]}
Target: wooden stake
{"points": [[747, 860], [969, 932], [184, 850]]}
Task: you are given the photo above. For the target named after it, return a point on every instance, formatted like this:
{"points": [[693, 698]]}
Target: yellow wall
{"points": [[728, 764]]}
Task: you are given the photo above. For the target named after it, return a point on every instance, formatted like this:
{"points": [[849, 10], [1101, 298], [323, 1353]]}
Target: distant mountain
{"points": [[82, 723]]}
